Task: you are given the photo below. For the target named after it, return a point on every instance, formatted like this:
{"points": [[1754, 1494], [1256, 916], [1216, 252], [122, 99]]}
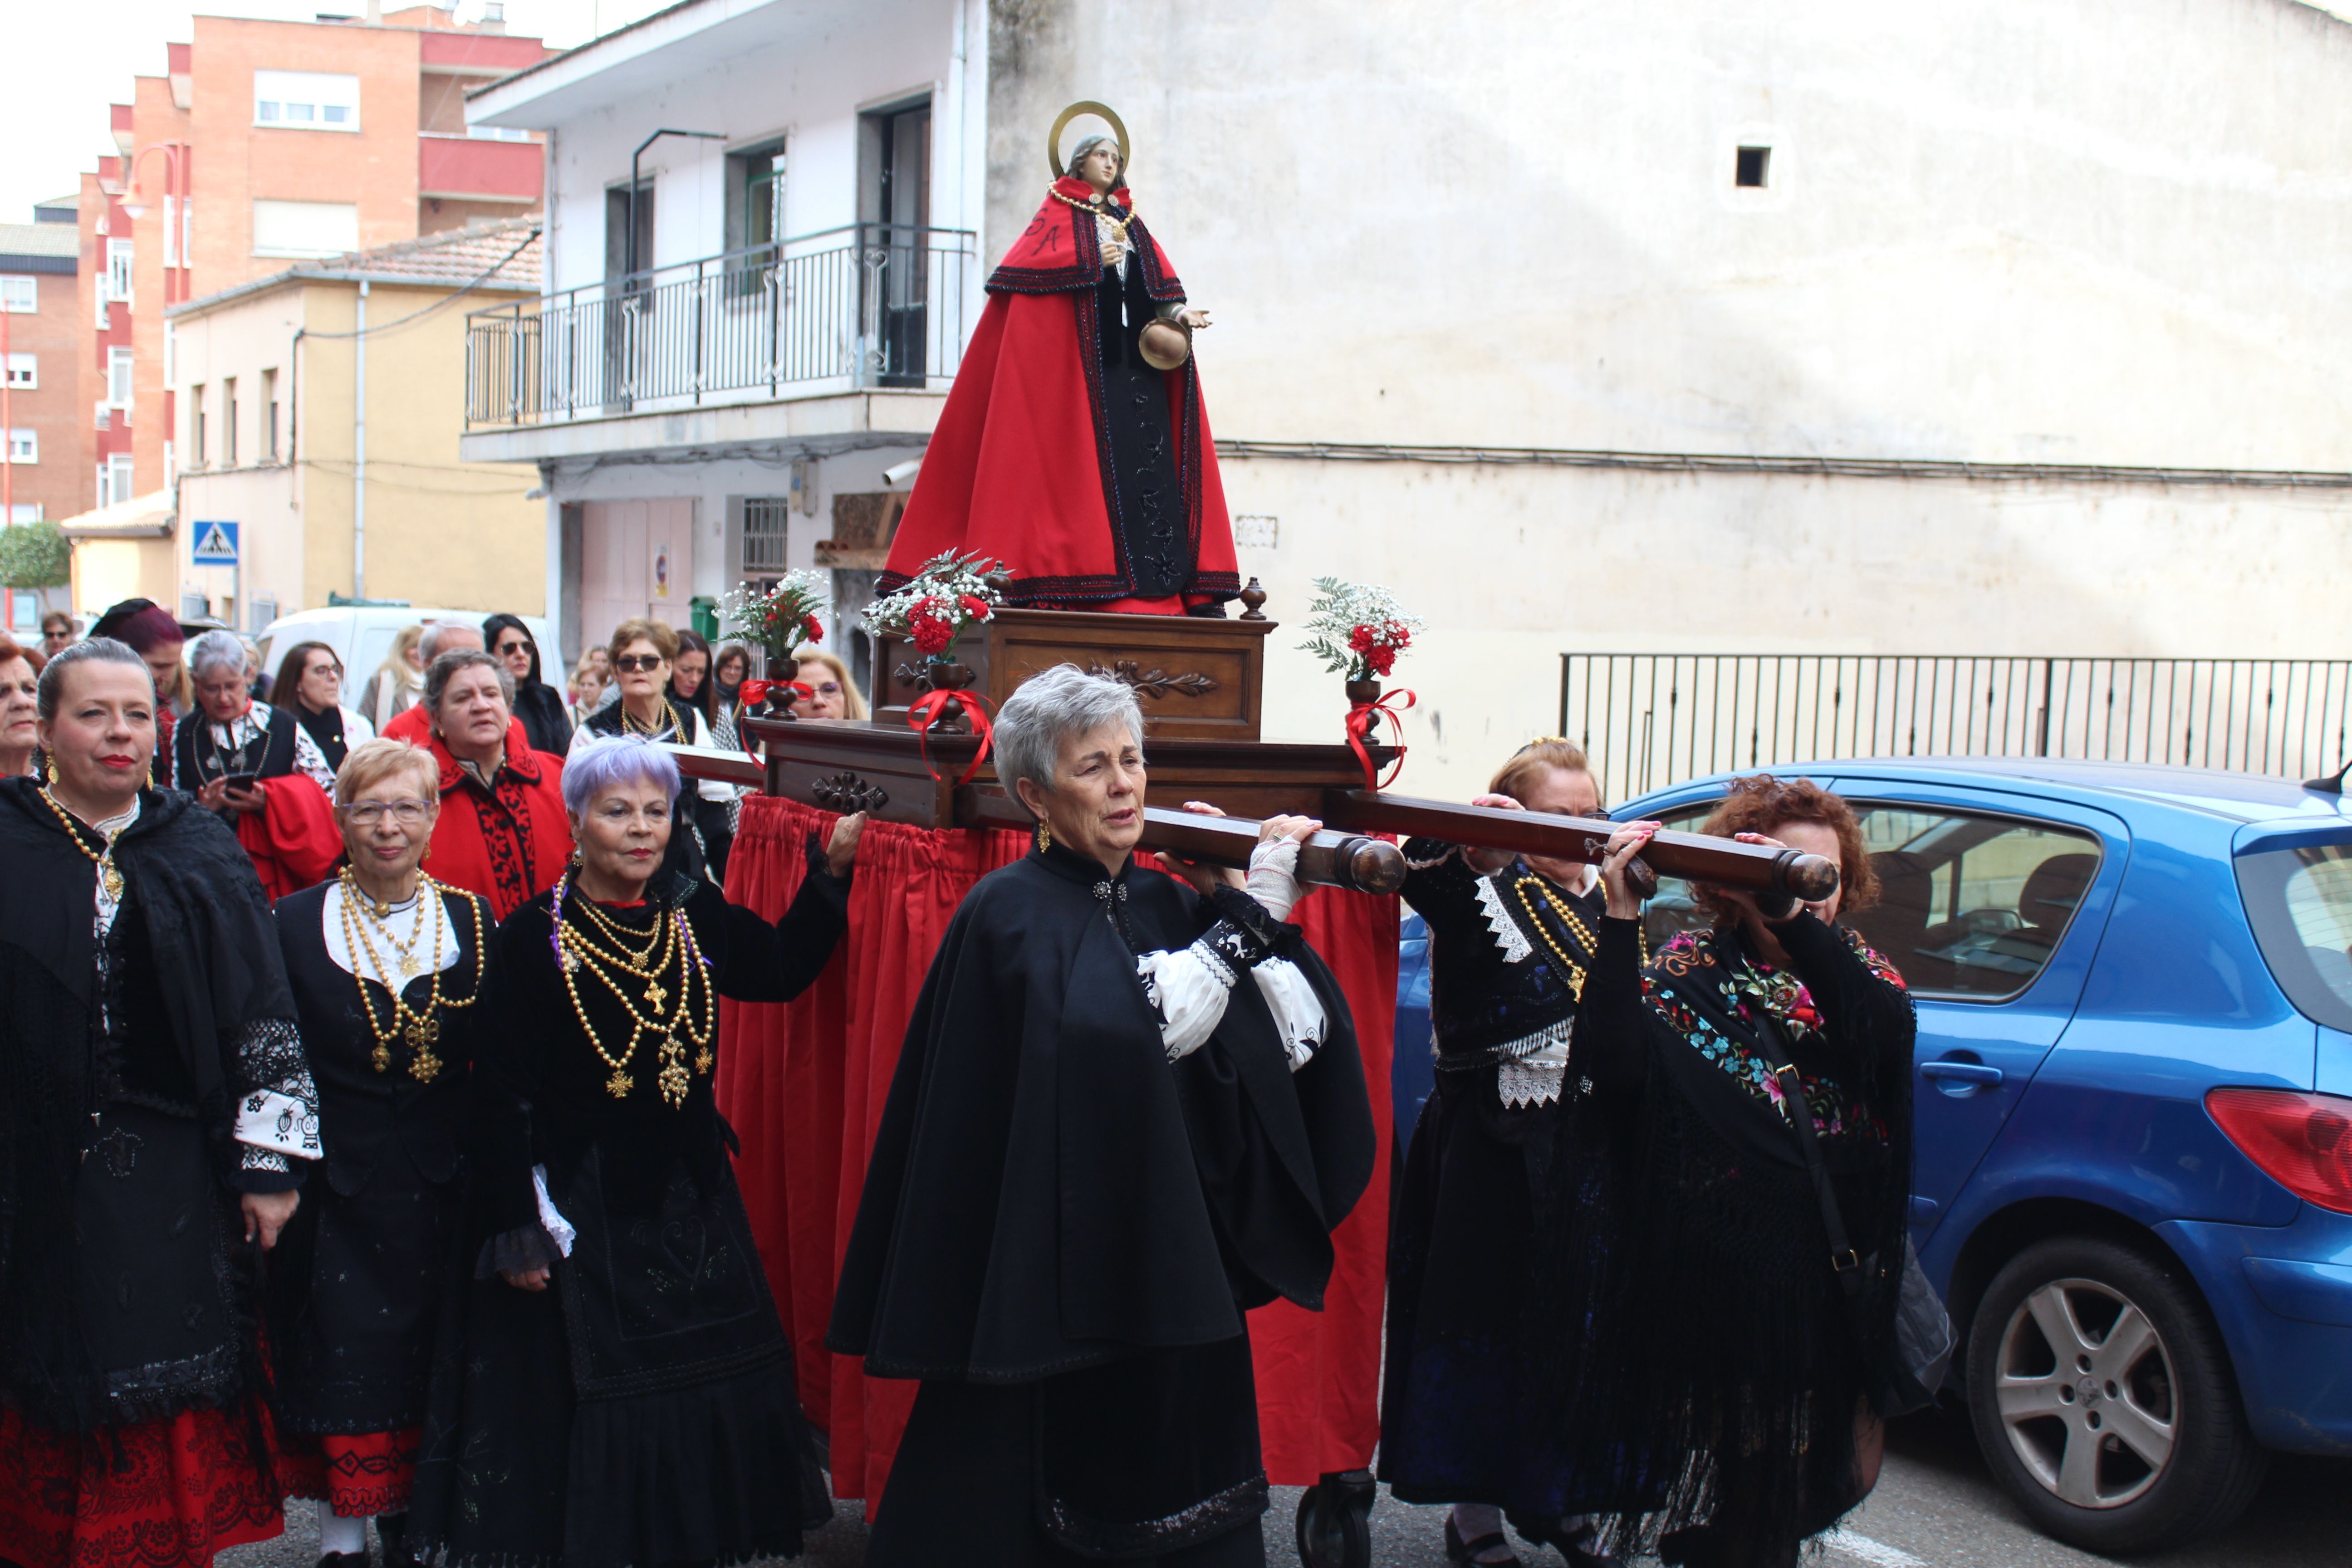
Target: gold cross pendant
{"points": [[425, 1067], [619, 1084], [655, 995]]}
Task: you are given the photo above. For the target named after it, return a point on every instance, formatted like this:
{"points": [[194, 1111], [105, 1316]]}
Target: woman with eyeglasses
{"points": [[832, 694], [20, 676], [386, 964], [645, 658], [541, 707], [310, 686]]}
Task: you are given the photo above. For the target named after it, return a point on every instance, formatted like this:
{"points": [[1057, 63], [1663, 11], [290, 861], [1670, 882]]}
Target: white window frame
{"points": [[20, 294], [28, 512], [29, 440], [122, 378], [29, 365], [126, 475], [304, 100], [103, 419], [120, 255]]}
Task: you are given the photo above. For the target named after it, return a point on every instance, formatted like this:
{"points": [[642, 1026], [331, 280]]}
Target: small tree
{"points": [[34, 555]]}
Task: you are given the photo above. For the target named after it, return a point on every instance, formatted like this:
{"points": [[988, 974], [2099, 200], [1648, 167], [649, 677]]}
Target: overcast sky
{"points": [[74, 58]]}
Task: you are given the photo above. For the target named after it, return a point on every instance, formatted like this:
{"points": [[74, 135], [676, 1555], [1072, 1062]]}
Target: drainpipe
{"points": [[359, 452]]}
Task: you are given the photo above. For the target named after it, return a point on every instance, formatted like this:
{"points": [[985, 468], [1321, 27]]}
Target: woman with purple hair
{"points": [[643, 1410]]}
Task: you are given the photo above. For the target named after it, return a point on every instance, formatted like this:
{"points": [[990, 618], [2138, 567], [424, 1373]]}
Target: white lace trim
{"points": [[1534, 1067], [559, 1229], [1507, 935], [1438, 859]]}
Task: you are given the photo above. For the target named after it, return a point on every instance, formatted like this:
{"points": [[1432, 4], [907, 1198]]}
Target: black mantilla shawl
{"points": [[182, 1011], [1718, 1330]]}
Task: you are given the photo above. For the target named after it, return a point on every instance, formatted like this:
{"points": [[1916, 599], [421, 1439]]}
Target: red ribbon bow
{"points": [[1362, 718], [754, 694], [924, 712]]}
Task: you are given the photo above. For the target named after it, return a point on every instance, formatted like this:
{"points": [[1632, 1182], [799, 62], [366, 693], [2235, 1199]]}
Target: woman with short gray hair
{"points": [[1128, 1107], [223, 751]]}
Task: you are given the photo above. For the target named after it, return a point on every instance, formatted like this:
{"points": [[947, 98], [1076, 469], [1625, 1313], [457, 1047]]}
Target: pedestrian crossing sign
{"points": [[215, 544]]}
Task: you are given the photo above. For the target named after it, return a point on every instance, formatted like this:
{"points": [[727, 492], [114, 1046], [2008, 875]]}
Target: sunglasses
{"points": [[630, 663], [508, 649]]}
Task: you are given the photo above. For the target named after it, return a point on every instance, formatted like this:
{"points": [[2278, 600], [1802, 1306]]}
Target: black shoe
{"points": [[1579, 1542], [391, 1534], [1460, 1551], [1692, 1548]]}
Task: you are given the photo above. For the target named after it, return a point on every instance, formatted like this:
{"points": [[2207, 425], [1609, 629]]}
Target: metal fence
{"points": [[1652, 720], [871, 305]]}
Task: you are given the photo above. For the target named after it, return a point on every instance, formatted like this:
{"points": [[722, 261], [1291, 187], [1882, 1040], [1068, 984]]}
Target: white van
{"points": [[362, 637]]}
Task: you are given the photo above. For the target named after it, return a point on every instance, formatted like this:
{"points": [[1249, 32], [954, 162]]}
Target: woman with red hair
{"points": [[1722, 1392]]}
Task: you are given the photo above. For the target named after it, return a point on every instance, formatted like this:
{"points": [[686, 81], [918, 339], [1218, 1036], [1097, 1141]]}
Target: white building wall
{"points": [[2016, 231], [807, 79]]}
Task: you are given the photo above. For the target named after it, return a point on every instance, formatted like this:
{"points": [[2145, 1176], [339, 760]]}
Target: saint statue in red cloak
{"points": [[1064, 451]]}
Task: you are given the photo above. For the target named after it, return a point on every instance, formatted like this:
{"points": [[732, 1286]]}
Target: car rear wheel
{"points": [[2103, 1398]]}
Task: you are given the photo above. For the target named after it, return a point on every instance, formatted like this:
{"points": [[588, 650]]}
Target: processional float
{"points": [[921, 766]]}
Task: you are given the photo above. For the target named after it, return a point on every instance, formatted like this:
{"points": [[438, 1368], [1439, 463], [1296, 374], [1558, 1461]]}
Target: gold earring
{"points": [[1044, 838], [49, 766], [576, 861], [428, 852]]}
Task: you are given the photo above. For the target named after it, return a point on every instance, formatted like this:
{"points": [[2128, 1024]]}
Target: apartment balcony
{"points": [[840, 339], [469, 168]]}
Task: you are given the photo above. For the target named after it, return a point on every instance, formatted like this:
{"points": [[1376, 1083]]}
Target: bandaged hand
{"points": [[1274, 863]]}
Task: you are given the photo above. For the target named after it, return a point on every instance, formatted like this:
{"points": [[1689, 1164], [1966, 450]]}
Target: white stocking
{"points": [[337, 1534]]}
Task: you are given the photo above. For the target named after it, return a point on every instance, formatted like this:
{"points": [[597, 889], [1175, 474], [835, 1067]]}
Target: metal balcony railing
{"points": [[1651, 719], [870, 305]]}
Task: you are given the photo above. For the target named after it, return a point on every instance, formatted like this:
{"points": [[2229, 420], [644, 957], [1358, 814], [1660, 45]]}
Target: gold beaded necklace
{"points": [[1576, 927], [676, 946], [1103, 211], [107, 871], [420, 1030], [629, 725]]}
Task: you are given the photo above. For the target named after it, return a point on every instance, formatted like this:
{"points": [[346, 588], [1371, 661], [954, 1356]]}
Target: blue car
{"points": [[2134, 1108]]}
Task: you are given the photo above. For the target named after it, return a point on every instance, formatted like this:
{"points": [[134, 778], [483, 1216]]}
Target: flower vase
{"points": [[782, 673], [1360, 692], [942, 674]]}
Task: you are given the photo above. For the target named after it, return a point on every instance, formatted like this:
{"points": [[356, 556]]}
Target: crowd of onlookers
{"points": [[476, 695]]}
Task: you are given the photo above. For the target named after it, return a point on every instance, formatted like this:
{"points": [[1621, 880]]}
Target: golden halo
{"points": [[1061, 123]]}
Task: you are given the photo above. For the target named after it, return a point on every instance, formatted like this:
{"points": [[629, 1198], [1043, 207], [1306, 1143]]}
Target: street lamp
{"points": [[135, 207]]}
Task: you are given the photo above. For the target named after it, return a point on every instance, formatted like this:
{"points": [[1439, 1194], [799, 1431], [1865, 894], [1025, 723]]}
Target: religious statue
{"points": [[1087, 338]]}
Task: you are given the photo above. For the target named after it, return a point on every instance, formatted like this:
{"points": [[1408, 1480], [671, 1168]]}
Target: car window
{"points": [[374, 646], [1969, 905], [2299, 902]]}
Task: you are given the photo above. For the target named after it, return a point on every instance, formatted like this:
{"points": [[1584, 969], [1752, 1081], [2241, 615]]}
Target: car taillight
{"points": [[2303, 1142]]}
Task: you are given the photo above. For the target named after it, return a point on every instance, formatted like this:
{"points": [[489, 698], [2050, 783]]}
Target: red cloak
{"points": [[1007, 473]]}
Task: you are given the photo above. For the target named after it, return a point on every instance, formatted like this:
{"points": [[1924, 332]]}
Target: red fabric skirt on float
{"points": [[359, 1475], [167, 1493], [802, 1084]]}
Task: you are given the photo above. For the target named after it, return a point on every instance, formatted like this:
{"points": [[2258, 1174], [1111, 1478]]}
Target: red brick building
{"points": [[40, 322], [266, 142]]}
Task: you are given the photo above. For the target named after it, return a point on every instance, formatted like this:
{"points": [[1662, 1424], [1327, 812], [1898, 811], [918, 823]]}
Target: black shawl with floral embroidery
{"points": [[1716, 1327]]}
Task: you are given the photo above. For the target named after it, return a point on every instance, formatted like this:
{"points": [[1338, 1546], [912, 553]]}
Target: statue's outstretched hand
{"points": [[1196, 318]]}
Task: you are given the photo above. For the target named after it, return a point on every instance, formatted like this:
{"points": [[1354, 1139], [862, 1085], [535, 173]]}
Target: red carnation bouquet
{"points": [[933, 609], [779, 616], [1358, 628]]}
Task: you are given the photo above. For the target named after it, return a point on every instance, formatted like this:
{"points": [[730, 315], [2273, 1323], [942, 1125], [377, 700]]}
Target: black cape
{"points": [[1704, 1280], [1050, 1203], [119, 1301], [642, 1409], [358, 1273]]}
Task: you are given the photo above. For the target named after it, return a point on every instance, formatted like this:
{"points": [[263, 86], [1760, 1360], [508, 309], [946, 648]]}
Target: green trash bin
{"points": [[702, 613]]}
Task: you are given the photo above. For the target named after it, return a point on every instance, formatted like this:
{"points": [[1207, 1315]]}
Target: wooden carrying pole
{"points": [[1699, 857], [1347, 860]]}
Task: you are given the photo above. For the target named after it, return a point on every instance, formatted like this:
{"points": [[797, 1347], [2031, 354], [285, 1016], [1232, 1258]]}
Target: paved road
{"points": [[1936, 1507]]}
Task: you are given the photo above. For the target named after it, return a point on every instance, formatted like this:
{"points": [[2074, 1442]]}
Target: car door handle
{"points": [[1966, 1072]]}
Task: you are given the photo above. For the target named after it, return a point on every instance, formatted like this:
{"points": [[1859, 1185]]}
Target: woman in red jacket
{"points": [[502, 832]]}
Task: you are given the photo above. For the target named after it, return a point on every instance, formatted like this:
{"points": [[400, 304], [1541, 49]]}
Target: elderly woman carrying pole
{"points": [[1128, 1108]]}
